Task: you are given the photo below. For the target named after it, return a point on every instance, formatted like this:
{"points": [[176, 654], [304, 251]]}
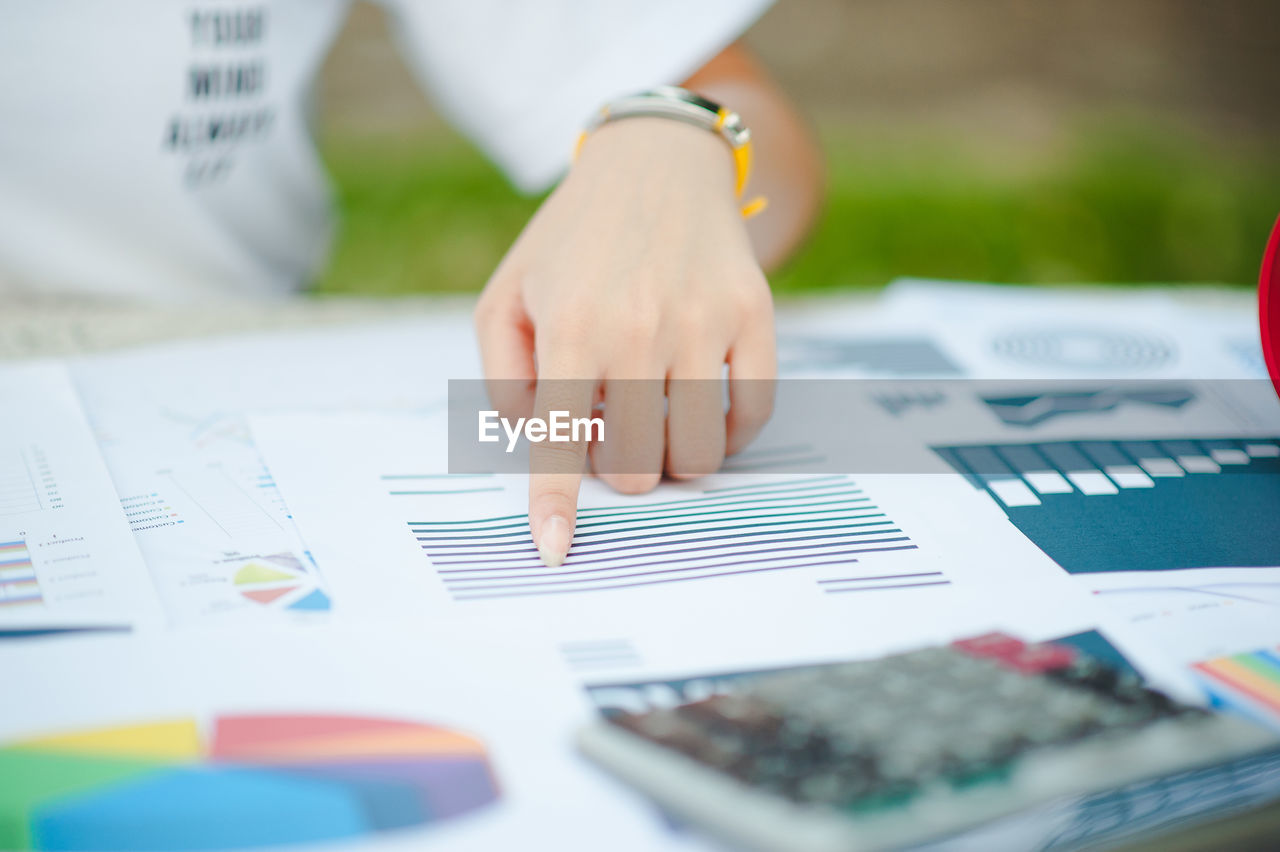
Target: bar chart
{"points": [[1136, 505], [1248, 682], [771, 525], [19, 586]]}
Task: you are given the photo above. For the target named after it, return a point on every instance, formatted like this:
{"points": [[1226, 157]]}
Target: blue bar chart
{"points": [[1136, 505]]}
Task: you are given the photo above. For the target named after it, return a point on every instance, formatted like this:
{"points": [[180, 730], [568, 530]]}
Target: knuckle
{"points": [[639, 327], [545, 458], [763, 412], [692, 319], [755, 302], [633, 483], [697, 449], [752, 400], [754, 415], [565, 338], [485, 311], [693, 467], [565, 326], [753, 291], [554, 503]]}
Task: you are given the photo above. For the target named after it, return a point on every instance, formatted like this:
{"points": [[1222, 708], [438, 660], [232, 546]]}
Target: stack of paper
{"points": [[272, 520]]}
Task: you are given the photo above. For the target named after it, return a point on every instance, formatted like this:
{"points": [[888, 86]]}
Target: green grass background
{"points": [[1128, 205]]}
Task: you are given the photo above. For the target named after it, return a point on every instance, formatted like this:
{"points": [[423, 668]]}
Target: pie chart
{"points": [[259, 780], [282, 580]]}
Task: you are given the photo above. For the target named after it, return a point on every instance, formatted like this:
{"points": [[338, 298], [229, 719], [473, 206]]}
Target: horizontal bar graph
{"points": [[1249, 682], [19, 585], [761, 527], [1136, 505]]}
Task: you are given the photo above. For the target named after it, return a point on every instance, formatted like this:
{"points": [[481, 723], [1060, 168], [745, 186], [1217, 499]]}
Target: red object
{"points": [[1000, 646], [251, 737], [1043, 657], [1269, 305], [266, 596], [1017, 655]]}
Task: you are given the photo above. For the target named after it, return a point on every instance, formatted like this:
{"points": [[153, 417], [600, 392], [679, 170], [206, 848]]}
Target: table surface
{"points": [[57, 327], [35, 326]]}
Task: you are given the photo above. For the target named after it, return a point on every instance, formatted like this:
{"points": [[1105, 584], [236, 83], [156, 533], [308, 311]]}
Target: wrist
{"points": [[647, 150], [675, 104]]}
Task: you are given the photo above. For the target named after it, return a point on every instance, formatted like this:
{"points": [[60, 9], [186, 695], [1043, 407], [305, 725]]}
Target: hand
{"points": [[638, 266]]}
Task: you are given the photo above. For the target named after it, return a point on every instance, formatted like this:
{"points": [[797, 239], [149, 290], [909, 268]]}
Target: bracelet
{"points": [[690, 108]]}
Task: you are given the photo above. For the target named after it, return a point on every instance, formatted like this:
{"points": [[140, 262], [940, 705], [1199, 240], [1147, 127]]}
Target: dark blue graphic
{"points": [[1136, 505]]}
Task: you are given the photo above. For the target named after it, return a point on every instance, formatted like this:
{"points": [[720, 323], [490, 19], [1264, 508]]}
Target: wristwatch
{"points": [[690, 108]]}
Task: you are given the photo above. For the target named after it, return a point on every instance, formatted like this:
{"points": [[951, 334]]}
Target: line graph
{"points": [[802, 523], [1260, 593]]}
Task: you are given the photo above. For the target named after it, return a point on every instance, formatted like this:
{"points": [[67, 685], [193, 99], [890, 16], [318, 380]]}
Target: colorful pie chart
{"points": [[261, 780], [282, 580]]}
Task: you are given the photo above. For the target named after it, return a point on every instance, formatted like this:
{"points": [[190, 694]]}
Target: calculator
{"points": [[907, 748]]}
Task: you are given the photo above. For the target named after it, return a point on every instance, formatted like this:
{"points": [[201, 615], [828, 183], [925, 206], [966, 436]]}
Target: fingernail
{"points": [[553, 541]]}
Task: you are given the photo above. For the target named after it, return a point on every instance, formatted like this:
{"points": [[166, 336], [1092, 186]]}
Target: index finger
{"points": [[556, 467]]}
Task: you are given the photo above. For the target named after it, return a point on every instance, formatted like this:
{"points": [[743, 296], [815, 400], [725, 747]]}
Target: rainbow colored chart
{"points": [[18, 584], [280, 579], [262, 780], [1249, 682]]}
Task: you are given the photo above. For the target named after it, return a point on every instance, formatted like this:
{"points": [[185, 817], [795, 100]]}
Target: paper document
{"points": [[1048, 333], [66, 553], [950, 329], [1132, 439], [431, 736], [733, 569], [210, 522]]}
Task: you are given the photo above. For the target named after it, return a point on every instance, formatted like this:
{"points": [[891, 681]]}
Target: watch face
{"points": [[1269, 305]]}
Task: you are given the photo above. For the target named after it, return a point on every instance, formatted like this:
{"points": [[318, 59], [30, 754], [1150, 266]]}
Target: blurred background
{"points": [[1077, 141]]}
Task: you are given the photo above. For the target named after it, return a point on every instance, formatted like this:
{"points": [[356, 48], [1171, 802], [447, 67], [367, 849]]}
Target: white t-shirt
{"points": [[162, 149]]}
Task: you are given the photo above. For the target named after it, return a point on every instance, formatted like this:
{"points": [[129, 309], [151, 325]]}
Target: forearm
{"points": [[787, 167]]}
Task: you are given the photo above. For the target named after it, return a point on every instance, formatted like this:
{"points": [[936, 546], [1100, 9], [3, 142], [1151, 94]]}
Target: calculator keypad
{"points": [[872, 733]]}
